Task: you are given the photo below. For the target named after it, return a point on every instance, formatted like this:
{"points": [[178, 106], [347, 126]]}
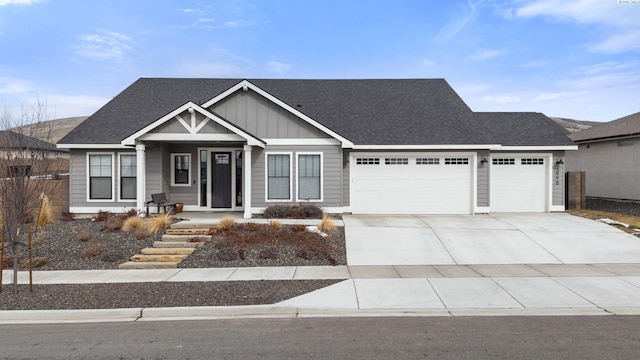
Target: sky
{"points": [[576, 59]]}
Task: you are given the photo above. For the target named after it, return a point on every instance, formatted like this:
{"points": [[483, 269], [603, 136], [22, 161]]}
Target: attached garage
{"points": [[519, 183], [391, 183]]}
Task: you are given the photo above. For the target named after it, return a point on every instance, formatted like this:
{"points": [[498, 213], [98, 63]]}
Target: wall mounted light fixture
{"points": [[484, 160], [559, 162]]}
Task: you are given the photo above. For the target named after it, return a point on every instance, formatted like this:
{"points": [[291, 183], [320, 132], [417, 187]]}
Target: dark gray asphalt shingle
{"points": [[522, 129], [366, 112]]}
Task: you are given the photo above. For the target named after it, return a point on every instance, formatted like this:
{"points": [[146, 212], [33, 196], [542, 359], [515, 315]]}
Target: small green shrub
{"points": [[312, 212]]}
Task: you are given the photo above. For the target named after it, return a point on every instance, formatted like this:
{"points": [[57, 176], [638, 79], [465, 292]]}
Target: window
{"points": [[100, 176], [625, 143], [278, 176], [128, 174], [506, 161], [456, 161], [427, 161], [528, 161], [309, 177], [367, 161], [180, 169], [396, 161]]}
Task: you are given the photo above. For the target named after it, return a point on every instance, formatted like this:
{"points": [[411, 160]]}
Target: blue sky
{"points": [[578, 59]]}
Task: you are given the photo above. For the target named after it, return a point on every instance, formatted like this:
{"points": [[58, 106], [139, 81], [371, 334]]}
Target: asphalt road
{"points": [[586, 337]]}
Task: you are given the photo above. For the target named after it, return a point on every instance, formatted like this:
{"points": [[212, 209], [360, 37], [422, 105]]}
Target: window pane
{"points": [[309, 177], [181, 169], [128, 165], [278, 183], [100, 188], [128, 188]]}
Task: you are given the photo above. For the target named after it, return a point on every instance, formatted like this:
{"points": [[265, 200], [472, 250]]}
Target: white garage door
{"points": [[417, 184], [518, 184]]}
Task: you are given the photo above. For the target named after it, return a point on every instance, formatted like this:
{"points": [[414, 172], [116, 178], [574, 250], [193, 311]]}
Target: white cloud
{"points": [[607, 66], [61, 105], [104, 45], [502, 99], [17, 2], [277, 67], [621, 23], [485, 54], [535, 64], [546, 97], [10, 86], [457, 21]]}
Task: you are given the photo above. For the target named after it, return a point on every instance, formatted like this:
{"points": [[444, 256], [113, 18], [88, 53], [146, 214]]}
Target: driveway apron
{"points": [[555, 238]]}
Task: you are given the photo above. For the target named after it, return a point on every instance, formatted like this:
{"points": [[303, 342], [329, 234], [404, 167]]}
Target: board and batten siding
{"points": [[173, 126], [259, 116], [557, 179], [331, 174]]}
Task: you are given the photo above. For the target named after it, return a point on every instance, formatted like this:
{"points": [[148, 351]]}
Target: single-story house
{"points": [[388, 146], [23, 155], [608, 154]]}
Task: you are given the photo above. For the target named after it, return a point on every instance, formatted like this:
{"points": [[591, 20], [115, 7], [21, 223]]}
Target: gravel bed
{"points": [[162, 294], [64, 245], [619, 207]]}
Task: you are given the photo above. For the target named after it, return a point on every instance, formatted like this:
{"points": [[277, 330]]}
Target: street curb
{"points": [[69, 316], [270, 311]]}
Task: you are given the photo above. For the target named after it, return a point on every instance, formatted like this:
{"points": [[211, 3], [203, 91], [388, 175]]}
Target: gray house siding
{"points": [[154, 171], [482, 189], [331, 174], [264, 119], [557, 179], [184, 194], [611, 168]]}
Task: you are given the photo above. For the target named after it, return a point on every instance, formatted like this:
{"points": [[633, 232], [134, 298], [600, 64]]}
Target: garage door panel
{"points": [[412, 185], [518, 184]]}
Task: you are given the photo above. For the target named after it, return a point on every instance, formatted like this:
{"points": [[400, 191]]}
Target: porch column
{"points": [[246, 191], [141, 178]]}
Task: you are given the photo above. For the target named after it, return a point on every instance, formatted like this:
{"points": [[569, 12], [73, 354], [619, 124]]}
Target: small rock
{"points": [[302, 254], [110, 256], [227, 254]]}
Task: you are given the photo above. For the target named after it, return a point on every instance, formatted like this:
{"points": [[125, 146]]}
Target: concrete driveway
{"points": [[556, 238]]}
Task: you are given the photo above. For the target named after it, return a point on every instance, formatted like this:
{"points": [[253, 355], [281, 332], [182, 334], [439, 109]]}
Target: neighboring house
{"points": [[359, 146], [608, 154], [22, 155]]}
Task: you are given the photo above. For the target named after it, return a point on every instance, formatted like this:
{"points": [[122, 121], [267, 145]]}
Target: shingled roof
{"points": [[523, 129], [625, 126], [366, 112]]}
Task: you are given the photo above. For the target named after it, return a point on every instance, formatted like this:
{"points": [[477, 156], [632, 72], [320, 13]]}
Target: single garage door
{"points": [[518, 184], [417, 184]]}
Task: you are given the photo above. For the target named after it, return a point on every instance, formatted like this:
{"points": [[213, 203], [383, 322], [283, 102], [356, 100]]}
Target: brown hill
{"points": [[572, 125], [52, 130]]}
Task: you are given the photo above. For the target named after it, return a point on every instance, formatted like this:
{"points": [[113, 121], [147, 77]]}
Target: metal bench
{"points": [[160, 201]]}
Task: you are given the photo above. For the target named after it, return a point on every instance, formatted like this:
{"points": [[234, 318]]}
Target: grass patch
{"points": [[633, 221], [132, 223]]}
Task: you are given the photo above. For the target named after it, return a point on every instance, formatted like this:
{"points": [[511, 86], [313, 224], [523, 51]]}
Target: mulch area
{"points": [[164, 294], [85, 245]]}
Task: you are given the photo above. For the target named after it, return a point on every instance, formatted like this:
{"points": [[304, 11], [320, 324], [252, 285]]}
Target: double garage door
{"points": [[443, 184], [417, 184]]}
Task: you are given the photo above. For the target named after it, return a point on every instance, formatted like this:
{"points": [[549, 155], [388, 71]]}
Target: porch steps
{"points": [[176, 244]]}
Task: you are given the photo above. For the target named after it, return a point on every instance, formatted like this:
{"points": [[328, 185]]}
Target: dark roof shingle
{"points": [[625, 126]]}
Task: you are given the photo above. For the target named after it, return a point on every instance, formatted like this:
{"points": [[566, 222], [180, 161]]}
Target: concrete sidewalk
{"points": [[447, 290]]}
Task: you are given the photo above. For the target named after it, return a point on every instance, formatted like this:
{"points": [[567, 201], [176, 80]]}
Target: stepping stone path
{"points": [[175, 245]]}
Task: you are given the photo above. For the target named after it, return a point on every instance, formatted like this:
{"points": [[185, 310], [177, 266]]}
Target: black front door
{"points": [[221, 180]]}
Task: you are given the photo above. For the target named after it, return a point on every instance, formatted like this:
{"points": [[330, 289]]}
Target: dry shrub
{"points": [[251, 226], [114, 223], [132, 223], [275, 224], [7, 263], [45, 217], [142, 233], [67, 216], [158, 223], [82, 236], [298, 228], [326, 225], [226, 223], [101, 216], [93, 249], [39, 261]]}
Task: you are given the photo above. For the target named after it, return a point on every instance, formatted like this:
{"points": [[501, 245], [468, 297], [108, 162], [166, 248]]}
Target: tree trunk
{"points": [[14, 250]]}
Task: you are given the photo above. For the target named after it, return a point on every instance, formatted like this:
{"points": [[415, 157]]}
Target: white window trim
{"points": [[118, 173], [173, 169], [321, 177], [113, 180], [266, 176]]}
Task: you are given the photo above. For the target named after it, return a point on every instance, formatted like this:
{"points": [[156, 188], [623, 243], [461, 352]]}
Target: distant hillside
{"points": [[58, 128], [575, 125]]}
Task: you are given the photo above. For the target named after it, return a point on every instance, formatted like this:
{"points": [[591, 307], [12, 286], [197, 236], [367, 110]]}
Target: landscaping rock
{"points": [[227, 254], [270, 253]]}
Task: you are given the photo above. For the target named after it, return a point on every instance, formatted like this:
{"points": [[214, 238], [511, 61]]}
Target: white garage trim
{"points": [[377, 160], [548, 169]]}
